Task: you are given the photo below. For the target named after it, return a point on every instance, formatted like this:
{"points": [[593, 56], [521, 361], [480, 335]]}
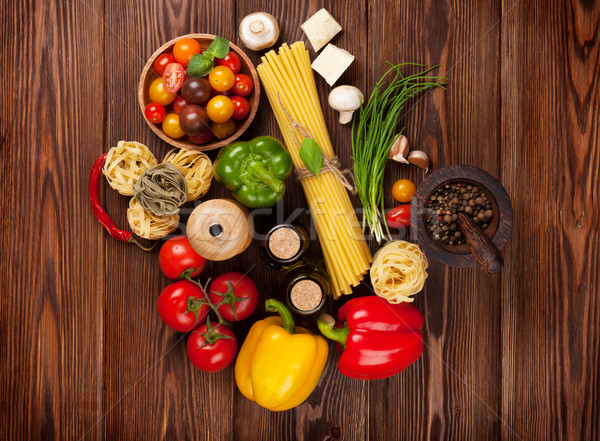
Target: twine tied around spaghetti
{"points": [[331, 165]]}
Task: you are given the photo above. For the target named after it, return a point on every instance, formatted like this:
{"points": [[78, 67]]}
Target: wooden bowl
{"points": [[148, 75], [498, 229]]}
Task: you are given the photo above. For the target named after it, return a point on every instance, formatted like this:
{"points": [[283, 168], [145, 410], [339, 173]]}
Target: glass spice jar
{"points": [[306, 289], [285, 246]]}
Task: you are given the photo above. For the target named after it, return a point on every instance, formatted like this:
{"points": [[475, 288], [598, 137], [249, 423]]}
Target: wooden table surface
{"points": [[513, 356]]}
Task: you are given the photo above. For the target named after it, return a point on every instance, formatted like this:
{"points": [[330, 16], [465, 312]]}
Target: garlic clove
{"points": [[399, 149], [420, 159]]}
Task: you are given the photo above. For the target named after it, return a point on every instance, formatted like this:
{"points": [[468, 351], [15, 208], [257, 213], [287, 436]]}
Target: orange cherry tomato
{"points": [[219, 109], [158, 94], [403, 190], [185, 49], [171, 126], [221, 78], [223, 130]]}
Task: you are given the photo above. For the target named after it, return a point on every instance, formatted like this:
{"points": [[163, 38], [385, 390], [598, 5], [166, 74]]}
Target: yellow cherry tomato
{"points": [[171, 126], [403, 190], [159, 95], [219, 109], [221, 78], [223, 130]]}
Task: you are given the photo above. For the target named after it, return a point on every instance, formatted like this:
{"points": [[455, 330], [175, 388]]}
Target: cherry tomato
{"points": [[173, 77], [403, 190], [221, 78], [161, 63], [223, 130], [196, 90], [171, 126], [232, 61], [179, 103], [185, 49], [155, 113], [239, 293], [212, 347], [399, 217], [182, 306], [243, 85], [193, 119], [219, 109], [241, 107], [177, 255], [202, 138], [158, 94]]}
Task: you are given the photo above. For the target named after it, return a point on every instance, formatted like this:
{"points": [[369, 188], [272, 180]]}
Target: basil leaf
{"points": [[219, 48], [199, 66], [311, 155]]}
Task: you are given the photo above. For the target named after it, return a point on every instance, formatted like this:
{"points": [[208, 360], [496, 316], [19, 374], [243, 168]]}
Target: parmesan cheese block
{"points": [[332, 63], [320, 29]]}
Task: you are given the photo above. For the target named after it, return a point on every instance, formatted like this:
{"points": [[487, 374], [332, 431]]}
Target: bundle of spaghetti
{"points": [[289, 82]]}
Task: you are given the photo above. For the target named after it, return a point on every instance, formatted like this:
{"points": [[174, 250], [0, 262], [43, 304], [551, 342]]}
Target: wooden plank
{"points": [[452, 392], [550, 295], [337, 409], [52, 277], [152, 390]]}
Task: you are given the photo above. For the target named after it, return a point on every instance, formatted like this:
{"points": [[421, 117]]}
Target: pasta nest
{"points": [[125, 164], [399, 270], [148, 225], [196, 168], [161, 190]]}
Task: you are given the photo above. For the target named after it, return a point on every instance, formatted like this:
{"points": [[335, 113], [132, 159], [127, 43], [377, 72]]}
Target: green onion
{"points": [[374, 135]]}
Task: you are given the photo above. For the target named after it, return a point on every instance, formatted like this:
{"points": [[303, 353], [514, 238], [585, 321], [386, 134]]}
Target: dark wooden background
{"points": [[515, 356]]}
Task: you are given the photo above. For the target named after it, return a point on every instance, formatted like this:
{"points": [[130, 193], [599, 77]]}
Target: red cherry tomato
{"points": [[182, 306], [177, 255], [243, 85], [399, 217], [161, 63], [239, 294], [202, 138], [232, 61], [155, 113], [241, 107], [179, 103], [212, 347], [173, 77]]}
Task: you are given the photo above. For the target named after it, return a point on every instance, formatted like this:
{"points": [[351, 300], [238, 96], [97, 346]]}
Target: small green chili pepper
{"points": [[254, 170]]}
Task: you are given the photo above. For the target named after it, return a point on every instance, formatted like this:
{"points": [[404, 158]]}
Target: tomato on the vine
{"points": [[173, 77], [243, 85], [221, 78], [399, 217], [235, 294], [219, 109], [161, 63], [403, 190], [241, 107], [177, 255], [171, 126], [158, 93], [155, 113], [182, 306], [185, 49], [231, 60], [212, 348]]}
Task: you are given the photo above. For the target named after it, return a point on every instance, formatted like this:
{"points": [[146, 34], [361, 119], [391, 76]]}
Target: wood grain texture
{"points": [[550, 294], [513, 356]]}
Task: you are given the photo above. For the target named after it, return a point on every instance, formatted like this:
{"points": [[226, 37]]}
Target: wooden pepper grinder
{"points": [[219, 229], [482, 248]]}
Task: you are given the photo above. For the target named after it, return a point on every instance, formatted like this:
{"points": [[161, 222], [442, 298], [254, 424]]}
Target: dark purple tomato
{"points": [[196, 90], [193, 120]]}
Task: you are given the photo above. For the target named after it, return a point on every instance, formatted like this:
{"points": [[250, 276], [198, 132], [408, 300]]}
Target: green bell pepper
{"points": [[254, 170]]}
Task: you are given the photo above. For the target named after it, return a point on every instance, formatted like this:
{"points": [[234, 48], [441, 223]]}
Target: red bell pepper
{"points": [[376, 339]]}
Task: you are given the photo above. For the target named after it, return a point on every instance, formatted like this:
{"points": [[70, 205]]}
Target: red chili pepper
{"points": [[124, 236], [376, 339]]}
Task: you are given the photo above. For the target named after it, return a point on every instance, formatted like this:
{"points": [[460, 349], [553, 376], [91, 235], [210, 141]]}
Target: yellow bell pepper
{"points": [[279, 364]]}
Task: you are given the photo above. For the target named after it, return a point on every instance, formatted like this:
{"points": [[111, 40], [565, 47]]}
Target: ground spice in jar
{"points": [[447, 201], [284, 243], [306, 295]]}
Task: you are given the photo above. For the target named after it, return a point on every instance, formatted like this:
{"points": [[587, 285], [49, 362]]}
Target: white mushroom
{"points": [[345, 99], [259, 30]]}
